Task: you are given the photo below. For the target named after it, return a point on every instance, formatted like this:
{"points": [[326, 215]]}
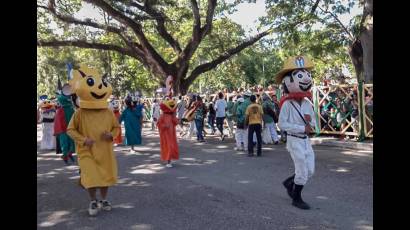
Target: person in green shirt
{"points": [[240, 114], [229, 115], [269, 118], [240, 133]]}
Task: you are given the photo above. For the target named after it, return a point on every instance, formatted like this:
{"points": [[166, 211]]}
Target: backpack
{"points": [[199, 113], [267, 110]]}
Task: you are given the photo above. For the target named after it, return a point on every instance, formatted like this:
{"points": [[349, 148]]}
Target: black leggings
{"points": [[257, 128], [220, 124]]}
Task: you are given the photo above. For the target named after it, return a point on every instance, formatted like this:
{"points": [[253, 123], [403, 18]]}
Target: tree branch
{"points": [[150, 53], [160, 19], [367, 14], [314, 7], [69, 19], [72, 20], [209, 16], [86, 44], [198, 32], [339, 22], [229, 53], [94, 45], [197, 20]]}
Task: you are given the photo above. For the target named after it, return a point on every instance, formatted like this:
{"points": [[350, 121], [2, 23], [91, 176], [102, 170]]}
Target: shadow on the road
{"points": [[213, 180]]}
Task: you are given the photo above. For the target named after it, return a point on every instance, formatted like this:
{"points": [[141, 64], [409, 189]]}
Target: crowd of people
{"points": [[340, 110], [225, 114]]}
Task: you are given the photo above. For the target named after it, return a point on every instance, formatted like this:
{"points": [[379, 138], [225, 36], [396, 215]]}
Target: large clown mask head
{"points": [[295, 75], [299, 80], [91, 88]]}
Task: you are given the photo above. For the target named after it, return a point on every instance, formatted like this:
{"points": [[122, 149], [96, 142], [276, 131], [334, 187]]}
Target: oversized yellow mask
{"points": [[91, 88], [168, 106]]}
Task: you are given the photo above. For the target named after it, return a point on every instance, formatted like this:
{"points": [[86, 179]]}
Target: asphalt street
{"points": [[210, 187]]}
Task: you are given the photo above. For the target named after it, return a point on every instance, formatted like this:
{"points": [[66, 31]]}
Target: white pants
{"points": [[272, 130], [154, 125], [192, 129], [230, 127], [241, 136], [48, 140], [303, 158]]}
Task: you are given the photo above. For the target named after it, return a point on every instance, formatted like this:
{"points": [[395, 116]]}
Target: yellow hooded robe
{"points": [[97, 163]]}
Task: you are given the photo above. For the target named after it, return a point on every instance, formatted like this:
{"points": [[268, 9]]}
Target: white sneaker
{"points": [[104, 205], [132, 151], [168, 165], [237, 149], [93, 208]]}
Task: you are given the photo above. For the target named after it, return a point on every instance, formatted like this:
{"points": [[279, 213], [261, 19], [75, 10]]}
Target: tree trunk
{"points": [[356, 55], [366, 38]]}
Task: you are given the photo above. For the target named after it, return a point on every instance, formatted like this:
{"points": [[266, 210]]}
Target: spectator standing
{"points": [[240, 133], [180, 112], [211, 117], [229, 115], [200, 113], [269, 118], [155, 114], [254, 115], [191, 106], [220, 108]]}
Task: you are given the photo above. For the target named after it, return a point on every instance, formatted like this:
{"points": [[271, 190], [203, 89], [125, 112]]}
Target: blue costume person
{"points": [[132, 117]]}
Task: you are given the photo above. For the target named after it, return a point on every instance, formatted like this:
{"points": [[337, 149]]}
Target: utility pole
{"points": [[263, 71]]}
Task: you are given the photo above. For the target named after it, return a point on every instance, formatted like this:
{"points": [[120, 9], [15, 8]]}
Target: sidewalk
{"points": [[345, 144]]}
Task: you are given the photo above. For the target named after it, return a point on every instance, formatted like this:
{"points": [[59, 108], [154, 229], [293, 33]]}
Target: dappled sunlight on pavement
{"points": [[211, 186]]}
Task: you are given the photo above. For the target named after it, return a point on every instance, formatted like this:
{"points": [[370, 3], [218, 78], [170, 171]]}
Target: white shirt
{"points": [[180, 109], [220, 106], [155, 110], [289, 119]]}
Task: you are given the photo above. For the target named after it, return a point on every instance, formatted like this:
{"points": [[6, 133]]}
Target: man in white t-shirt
{"points": [[180, 112], [220, 107]]}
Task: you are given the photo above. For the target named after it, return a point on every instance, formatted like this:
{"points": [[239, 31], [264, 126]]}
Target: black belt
{"points": [[48, 120], [304, 137]]}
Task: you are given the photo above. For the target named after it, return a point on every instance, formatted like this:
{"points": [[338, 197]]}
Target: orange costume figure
{"points": [[167, 132], [114, 105]]}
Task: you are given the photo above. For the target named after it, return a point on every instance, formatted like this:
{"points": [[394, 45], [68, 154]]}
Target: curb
{"points": [[342, 144]]}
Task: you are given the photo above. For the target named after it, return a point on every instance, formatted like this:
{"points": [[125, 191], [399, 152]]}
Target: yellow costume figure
{"points": [[93, 127]]}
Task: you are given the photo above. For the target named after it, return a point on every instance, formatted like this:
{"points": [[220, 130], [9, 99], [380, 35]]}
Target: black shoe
{"points": [[259, 154], [276, 142], [297, 198], [250, 155], [288, 183]]}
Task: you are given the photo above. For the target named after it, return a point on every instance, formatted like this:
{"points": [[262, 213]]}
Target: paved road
{"points": [[211, 187]]}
